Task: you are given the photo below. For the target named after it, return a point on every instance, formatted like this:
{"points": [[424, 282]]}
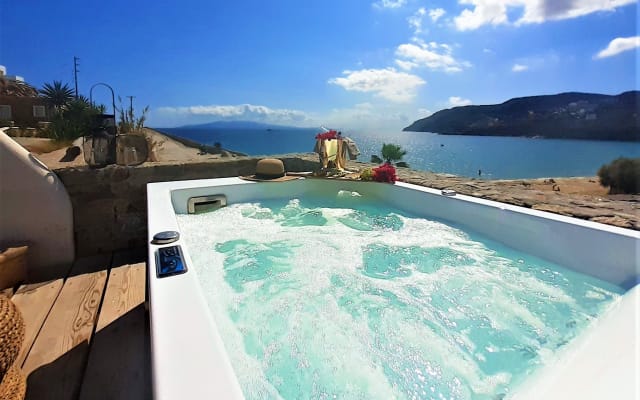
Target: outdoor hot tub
{"points": [[214, 334]]}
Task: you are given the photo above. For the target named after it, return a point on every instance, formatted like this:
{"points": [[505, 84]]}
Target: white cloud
{"points": [[432, 55], [415, 21], [248, 112], [436, 13], [423, 113], [406, 65], [386, 83], [368, 117], [360, 117], [389, 3], [455, 101], [619, 45], [496, 12], [519, 68], [535, 62], [484, 12]]}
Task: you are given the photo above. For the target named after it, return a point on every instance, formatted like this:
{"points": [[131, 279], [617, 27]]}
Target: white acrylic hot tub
{"points": [[189, 359]]}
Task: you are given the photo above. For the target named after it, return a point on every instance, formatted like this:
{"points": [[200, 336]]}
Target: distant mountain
{"points": [[565, 115], [238, 125]]}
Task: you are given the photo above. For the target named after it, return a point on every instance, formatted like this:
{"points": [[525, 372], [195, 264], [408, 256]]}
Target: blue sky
{"points": [[361, 65]]}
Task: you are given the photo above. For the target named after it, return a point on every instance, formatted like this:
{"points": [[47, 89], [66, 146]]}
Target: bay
{"points": [[497, 157]]}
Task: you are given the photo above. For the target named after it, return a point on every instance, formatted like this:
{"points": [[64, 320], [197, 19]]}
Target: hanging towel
{"points": [[322, 152], [340, 155], [331, 147]]}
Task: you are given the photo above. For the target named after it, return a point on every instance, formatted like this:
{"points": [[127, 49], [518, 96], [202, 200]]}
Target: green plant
{"points": [[621, 175], [392, 152], [57, 95], [128, 122], [366, 174], [72, 121]]}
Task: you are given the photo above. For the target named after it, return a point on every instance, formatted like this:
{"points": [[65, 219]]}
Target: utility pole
{"points": [[75, 73], [131, 104]]}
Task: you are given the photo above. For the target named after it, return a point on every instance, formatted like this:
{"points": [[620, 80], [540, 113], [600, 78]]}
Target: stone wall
{"points": [[110, 204]]}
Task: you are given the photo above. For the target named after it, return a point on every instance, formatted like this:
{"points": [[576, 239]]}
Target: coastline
{"points": [[193, 144], [580, 197]]}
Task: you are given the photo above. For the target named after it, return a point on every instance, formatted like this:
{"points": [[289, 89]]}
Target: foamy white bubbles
{"points": [[317, 299]]}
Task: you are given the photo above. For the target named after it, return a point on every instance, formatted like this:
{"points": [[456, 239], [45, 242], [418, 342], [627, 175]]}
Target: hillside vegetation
{"points": [[565, 115]]}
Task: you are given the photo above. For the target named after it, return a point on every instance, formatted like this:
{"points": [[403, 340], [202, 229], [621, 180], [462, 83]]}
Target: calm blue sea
{"points": [[496, 157]]}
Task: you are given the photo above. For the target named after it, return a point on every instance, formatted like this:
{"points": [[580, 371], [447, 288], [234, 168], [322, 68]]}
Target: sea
{"points": [[485, 157]]}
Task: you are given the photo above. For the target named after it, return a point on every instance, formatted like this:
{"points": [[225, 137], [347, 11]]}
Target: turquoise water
{"points": [[497, 157], [339, 298]]}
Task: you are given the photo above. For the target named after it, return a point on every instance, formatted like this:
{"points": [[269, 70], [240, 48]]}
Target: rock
{"points": [[617, 221], [71, 154]]}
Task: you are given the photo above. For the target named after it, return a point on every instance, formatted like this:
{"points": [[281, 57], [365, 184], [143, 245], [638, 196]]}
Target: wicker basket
{"points": [[12, 382], [13, 385], [13, 266]]}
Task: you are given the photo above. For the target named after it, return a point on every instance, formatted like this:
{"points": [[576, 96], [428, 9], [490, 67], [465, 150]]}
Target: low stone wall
{"points": [[110, 204]]}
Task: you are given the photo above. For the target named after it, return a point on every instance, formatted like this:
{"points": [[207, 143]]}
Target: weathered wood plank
{"points": [[125, 291], [34, 302], [55, 364], [118, 366]]}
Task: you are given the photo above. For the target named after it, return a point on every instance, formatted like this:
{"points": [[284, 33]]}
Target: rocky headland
{"points": [[565, 116]]}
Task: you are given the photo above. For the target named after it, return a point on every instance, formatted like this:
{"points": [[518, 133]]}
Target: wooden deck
{"points": [[87, 335]]}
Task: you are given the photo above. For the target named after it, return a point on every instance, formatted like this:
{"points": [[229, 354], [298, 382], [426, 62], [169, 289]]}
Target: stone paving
{"points": [[621, 211]]}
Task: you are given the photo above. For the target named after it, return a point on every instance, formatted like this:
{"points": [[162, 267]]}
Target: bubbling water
{"points": [[343, 298]]}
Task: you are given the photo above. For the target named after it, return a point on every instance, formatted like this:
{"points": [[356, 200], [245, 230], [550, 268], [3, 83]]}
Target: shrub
{"points": [[621, 175], [392, 152], [128, 122], [385, 173], [72, 121], [366, 174]]}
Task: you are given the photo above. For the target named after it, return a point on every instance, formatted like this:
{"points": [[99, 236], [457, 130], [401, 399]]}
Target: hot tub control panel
{"points": [[170, 261]]}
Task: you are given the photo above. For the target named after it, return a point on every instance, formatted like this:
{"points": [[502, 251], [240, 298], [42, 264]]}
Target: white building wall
{"points": [[35, 210]]}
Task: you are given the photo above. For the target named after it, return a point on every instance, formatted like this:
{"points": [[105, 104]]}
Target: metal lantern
{"points": [[99, 146]]}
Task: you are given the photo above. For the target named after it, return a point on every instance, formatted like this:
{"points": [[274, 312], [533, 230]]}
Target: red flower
{"points": [[327, 135], [385, 173]]}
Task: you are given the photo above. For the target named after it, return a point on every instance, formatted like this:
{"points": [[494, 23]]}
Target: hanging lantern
{"points": [[99, 146]]}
